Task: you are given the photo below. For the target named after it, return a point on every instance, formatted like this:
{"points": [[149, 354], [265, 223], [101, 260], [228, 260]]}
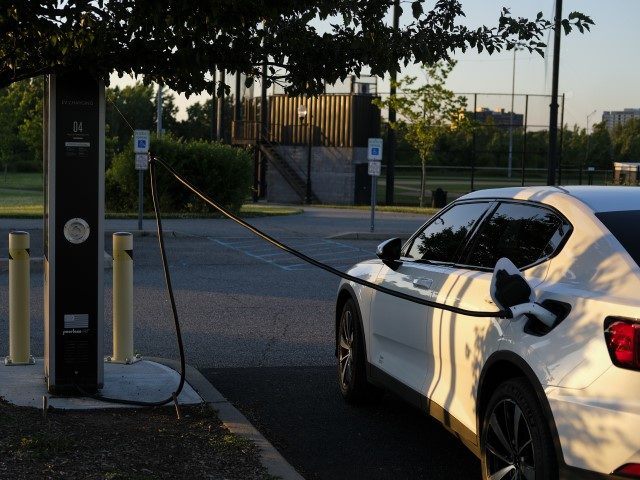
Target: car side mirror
{"points": [[512, 293], [389, 252]]}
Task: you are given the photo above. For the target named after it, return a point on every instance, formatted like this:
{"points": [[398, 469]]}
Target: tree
{"points": [[426, 112], [600, 147], [21, 125], [134, 107], [198, 124], [626, 141], [176, 43]]}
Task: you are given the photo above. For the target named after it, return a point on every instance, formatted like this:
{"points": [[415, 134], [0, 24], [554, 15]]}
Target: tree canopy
{"points": [[176, 42], [426, 112]]}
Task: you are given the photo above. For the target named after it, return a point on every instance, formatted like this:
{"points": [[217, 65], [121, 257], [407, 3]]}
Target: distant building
{"points": [[500, 118], [619, 117]]}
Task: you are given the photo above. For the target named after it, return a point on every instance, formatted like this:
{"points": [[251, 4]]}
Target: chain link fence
{"points": [[506, 145]]}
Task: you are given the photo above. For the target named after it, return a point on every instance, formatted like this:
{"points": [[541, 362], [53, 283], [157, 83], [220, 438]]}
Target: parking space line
{"points": [[328, 251]]}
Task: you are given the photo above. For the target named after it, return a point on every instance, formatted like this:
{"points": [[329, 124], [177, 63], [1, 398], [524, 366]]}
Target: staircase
{"points": [[297, 183]]}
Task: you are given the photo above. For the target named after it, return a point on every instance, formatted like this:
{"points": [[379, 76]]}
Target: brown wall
{"points": [[336, 120]]}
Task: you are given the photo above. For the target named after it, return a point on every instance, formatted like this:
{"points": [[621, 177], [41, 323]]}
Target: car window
{"points": [[624, 226], [523, 233], [442, 237]]}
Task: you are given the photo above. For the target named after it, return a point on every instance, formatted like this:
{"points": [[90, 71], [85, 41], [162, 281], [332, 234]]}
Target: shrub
{"points": [[222, 172]]}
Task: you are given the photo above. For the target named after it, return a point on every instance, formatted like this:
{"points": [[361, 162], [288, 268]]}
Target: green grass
{"points": [[28, 204], [20, 204], [21, 197], [21, 181]]}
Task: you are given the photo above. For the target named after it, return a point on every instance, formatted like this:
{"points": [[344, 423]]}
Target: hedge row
{"points": [[220, 171]]}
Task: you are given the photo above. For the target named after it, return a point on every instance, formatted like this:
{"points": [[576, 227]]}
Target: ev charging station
{"points": [[74, 117]]}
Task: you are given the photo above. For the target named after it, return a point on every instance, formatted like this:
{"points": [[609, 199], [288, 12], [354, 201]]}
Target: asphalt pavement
{"points": [[301, 412]]}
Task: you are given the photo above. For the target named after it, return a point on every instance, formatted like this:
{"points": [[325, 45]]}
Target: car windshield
{"points": [[625, 226]]}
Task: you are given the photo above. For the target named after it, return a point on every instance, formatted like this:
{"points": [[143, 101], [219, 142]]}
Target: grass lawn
{"points": [[21, 181], [20, 203], [16, 203]]}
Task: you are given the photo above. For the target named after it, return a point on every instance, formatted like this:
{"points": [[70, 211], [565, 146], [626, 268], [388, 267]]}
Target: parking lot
{"points": [[258, 323]]}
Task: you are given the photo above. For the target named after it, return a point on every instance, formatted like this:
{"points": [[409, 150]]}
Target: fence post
{"points": [[19, 294]]}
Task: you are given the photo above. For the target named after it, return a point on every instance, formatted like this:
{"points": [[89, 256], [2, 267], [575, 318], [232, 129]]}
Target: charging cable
{"points": [[167, 278], [442, 306]]}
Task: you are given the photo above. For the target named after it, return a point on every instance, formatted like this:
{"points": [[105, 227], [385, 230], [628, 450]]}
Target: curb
{"points": [[236, 422]]}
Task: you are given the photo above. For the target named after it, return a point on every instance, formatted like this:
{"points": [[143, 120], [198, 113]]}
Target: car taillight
{"points": [[623, 342], [631, 470]]}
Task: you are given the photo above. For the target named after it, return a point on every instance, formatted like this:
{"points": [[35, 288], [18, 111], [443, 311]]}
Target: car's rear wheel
{"points": [[351, 355], [516, 442]]}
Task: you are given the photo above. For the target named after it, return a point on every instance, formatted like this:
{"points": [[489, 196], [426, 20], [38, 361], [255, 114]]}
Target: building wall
{"points": [[332, 173], [619, 117]]}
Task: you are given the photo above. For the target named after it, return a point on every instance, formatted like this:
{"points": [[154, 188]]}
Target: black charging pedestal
{"points": [[74, 116]]}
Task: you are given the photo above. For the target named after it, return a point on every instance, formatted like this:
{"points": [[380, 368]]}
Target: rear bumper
{"points": [[571, 473], [598, 426]]}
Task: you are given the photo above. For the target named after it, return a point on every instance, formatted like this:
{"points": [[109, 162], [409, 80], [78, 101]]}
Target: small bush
{"points": [[222, 172]]}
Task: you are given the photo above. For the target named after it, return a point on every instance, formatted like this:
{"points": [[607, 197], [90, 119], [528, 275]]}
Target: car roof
{"points": [[597, 198]]}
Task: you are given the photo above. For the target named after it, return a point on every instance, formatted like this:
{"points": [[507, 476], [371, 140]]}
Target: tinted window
{"points": [[442, 238], [625, 227], [523, 233]]}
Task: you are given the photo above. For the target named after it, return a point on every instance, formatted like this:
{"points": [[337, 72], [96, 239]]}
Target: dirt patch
{"points": [[132, 444]]}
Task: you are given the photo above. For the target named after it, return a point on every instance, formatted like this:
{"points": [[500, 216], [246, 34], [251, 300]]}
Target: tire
{"points": [[352, 376], [515, 439]]}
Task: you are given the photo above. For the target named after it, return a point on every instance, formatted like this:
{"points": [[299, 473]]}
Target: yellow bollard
{"points": [[123, 299], [19, 295]]}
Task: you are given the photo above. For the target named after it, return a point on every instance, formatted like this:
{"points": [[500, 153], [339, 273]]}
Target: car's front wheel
{"points": [[516, 442], [351, 355]]}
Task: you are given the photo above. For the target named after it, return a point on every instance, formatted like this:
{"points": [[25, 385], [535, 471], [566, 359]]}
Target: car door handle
{"points": [[425, 283]]}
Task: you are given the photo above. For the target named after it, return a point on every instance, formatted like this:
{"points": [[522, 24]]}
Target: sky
{"points": [[599, 70]]}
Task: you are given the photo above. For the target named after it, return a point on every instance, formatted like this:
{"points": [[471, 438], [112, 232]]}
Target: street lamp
{"points": [[302, 115], [586, 155], [513, 86]]}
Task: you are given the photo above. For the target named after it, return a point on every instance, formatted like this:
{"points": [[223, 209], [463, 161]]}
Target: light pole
{"points": [[302, 115], [513, 86], [586, 155], [553, 107]]}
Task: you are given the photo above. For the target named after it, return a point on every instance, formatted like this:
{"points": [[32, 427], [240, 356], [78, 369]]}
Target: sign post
{"points": [[374, 155], [141, 151]]}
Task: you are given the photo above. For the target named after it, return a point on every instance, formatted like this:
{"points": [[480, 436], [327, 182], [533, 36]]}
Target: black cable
{"points": [[312, 261], [167, 277]]}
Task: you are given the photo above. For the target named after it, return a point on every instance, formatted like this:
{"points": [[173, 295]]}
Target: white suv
{"points": [[533, 399]]}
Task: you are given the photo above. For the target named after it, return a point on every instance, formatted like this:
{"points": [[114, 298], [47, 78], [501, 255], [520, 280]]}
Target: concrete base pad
{"points": [[145, 381]]}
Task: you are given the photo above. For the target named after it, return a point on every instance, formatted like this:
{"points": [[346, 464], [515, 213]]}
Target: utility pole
{"points": [[159, 111], [214, 106], [553, 108], [237, 110], [391, 133], [586, 156], [221, 119]]}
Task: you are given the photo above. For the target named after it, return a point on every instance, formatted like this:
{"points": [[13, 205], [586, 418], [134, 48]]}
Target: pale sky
{"points": [[599, 70]]}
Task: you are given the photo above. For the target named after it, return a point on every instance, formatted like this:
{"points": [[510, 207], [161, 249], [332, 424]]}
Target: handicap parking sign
{"points": [[374, 149], [140, 141]]}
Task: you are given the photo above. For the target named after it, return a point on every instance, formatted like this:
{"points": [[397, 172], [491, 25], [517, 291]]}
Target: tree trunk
{"points": [[423, 175]]}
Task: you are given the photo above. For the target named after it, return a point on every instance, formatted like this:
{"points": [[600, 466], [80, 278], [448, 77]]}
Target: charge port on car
{"points": [[539, 329]]}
